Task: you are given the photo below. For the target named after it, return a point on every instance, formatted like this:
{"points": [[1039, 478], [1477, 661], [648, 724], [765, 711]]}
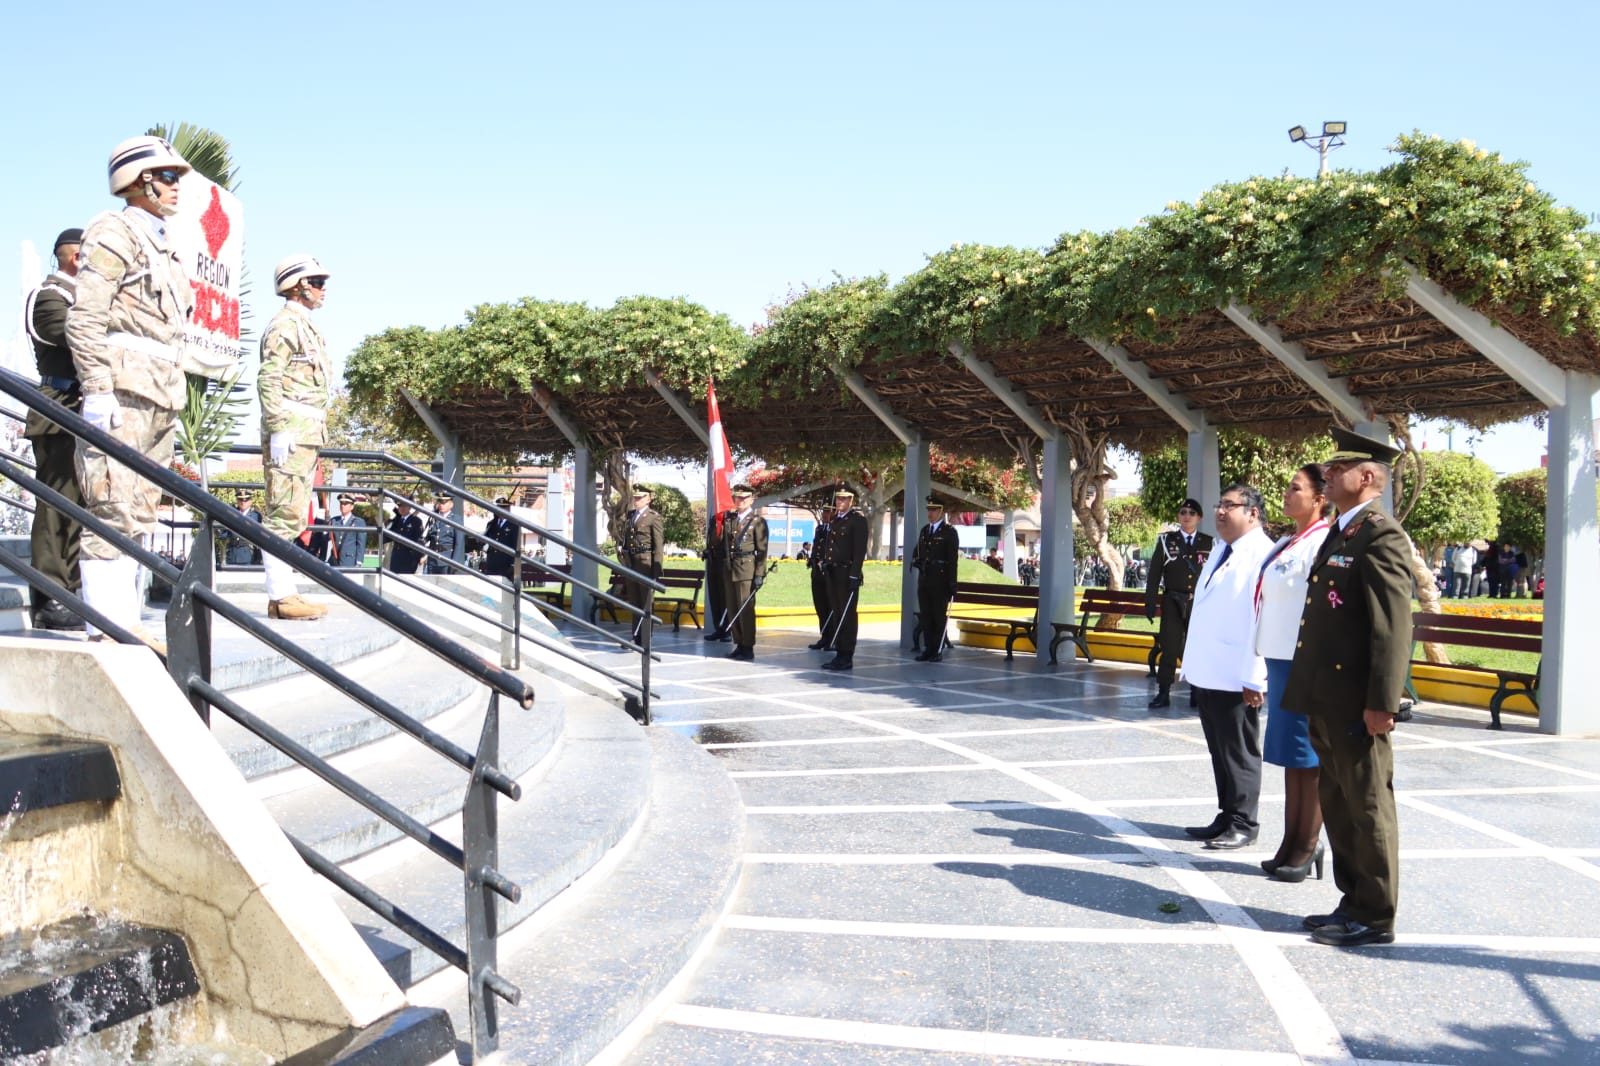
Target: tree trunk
{"points": [[1428, 598], [1090, 476]]}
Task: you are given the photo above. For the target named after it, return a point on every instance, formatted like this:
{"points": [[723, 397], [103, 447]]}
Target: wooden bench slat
{"points": [[1470, 631]]}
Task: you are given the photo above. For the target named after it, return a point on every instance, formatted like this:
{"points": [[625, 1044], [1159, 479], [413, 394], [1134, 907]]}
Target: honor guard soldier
{"points": [[1347, 676], [935, 558], [717, 609], [350, 538], [125, 330], [744, 541], [53, 539], [846, 551], [442, 534], [819, 584], [640, 548], [508, 535], [293, 385], [1175, 563]]}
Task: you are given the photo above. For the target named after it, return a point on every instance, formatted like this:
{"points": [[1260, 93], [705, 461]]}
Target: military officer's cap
{"points": [[1351, 447], [640, 492], [441, 497], [69, 236], [1192, 504], [843, 491], [934, 504], [346, 499], [502, 501], [743, 492], [241, 494]]}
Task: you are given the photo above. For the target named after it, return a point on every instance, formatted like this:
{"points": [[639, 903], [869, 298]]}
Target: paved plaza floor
{"points": [[982, 861]]}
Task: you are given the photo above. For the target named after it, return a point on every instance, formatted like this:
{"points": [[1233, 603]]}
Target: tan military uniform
{"points": [[126, 334], [293, 385]]}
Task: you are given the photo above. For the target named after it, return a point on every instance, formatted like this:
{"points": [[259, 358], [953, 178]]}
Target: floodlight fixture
{"points": [[1332, 137]]}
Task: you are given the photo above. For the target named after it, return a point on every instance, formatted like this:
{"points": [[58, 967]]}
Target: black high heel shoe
{"points": [[1295, 874], [1270, 865]]}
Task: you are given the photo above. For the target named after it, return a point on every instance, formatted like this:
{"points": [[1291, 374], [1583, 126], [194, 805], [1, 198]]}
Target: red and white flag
{"points": [[721, 459]]}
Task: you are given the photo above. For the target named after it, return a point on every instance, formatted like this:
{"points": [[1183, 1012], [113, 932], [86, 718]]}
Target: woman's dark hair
{"points": [[1317, 474]]}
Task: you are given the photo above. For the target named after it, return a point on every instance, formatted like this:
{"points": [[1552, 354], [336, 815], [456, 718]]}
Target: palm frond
{"points": [[206, 150]]}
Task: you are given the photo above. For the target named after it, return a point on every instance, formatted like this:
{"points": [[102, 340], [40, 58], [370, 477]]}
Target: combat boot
{"points": [[295, 607]]}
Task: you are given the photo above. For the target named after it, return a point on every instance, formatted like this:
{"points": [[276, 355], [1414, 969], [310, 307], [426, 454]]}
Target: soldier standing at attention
{"points": [[293, 385], [640, 548], [507, 534], [744, 541], [819, 584], [847, 550], [53, 540], [125, 330], [1175, 563], [1347, 675], [716, 616], [935, 556]]}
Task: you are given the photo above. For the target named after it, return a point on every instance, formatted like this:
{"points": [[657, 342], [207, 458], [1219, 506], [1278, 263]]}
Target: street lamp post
{"points": [[1332, 137]]}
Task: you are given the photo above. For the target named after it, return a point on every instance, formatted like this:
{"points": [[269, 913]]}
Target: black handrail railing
{"points": [[188, 661]]}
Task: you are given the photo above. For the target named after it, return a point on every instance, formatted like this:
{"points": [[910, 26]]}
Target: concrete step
{"points": [[38, 773], [574, 810], [592, 962]]}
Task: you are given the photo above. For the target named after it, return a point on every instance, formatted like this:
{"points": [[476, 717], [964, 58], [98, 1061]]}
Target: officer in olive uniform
{"points": [[53, 540], [935, 558], [1347, 676], [819, 584], [716, 616], [744, 542], [293, 385], [1175, 563], [126, 332], [640, 548], [846, 551]]}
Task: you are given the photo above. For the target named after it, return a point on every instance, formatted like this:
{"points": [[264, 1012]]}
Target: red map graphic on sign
{"points": [[215, 224]]}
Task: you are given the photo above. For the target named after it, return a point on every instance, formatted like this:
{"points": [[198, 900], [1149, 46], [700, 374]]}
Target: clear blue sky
{"points": [[437, 156]]}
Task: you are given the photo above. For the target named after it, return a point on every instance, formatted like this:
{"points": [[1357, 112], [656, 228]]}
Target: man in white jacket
{"points": [[1222, 667]]}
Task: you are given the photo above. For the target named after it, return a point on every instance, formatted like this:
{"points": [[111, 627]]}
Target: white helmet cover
{"points": [[136, 155], [295, 269]]}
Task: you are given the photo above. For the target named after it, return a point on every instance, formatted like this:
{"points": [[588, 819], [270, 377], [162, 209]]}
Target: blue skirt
{"points": [[1288, 740]]}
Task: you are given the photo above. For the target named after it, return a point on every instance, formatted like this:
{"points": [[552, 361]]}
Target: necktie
{"points": [[1227, 550]]}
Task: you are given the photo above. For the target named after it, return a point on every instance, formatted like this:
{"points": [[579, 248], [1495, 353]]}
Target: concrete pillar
{"points": [[1571, 676], [919, 481], [1205, 474], [1379, 431], [1056, 569], [454, 470], [584, 527], [1008, 542]]}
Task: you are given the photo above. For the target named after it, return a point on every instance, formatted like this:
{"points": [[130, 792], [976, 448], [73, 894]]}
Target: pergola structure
{"points": [[1380, 339]]}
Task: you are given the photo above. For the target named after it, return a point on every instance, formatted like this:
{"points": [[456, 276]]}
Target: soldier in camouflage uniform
{"points": [[293, 385], [125, 330]]}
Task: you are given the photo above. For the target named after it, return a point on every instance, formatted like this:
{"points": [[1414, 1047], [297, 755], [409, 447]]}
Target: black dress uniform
{"points": [[744, 539], [935, 557], [1175, 564], [846, 551], [640, 548], [53, 539], [716, 557], [819, 584], [1352, 655], [507, 534], [403, 558]]}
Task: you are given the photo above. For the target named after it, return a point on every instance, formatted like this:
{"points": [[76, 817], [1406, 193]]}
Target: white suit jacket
{"points": [[1220, 652]]}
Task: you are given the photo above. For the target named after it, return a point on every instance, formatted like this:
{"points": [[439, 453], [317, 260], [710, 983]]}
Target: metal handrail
{"points": [[188, 661]]}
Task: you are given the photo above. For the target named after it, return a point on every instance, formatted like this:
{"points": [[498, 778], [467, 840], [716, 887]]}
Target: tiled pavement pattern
{"points": [[982, 862]]}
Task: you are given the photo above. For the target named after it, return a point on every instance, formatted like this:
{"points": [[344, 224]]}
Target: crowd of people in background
{"points": [[1477, 568]]}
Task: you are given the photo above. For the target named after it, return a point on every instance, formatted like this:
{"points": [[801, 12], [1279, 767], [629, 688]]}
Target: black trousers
{"points": [[1233, 734], [843, 600], [819, 603], [1174, 631], [1356, 787], [716, 577], [53, 540], [933, 604]]}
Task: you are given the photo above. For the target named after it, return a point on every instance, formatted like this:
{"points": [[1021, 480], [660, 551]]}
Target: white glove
{"points": [[102, 411], [281, 445]]}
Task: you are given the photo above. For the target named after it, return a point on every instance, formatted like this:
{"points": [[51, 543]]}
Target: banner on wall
{"points": [[207, 234]]}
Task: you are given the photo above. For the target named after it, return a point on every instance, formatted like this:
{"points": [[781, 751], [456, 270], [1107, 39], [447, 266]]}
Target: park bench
{"points": [[1099, 603], [1466, 631], [980, 594], [685, 581], [551, 587]]}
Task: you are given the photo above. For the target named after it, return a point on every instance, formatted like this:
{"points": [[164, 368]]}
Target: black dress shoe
{"points": [[1351, 934], [935, 658], [55, 615], [714, 635], [817, 645], [1314, 922], [742, 653], [1163, 699], [838, 664], [1232, 840], [922, 658], [1218, 826]]}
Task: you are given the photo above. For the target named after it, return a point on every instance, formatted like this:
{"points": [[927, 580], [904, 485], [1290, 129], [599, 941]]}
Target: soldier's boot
{"points": [[295, 607], [1163, 698]]}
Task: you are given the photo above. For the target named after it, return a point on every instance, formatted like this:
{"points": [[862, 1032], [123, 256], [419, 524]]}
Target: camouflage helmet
{"points": [[293, 270], [136, 155]]}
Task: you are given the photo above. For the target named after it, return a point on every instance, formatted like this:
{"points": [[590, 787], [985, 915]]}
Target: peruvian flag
{"points": [[721, 458], [311, 507]]}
